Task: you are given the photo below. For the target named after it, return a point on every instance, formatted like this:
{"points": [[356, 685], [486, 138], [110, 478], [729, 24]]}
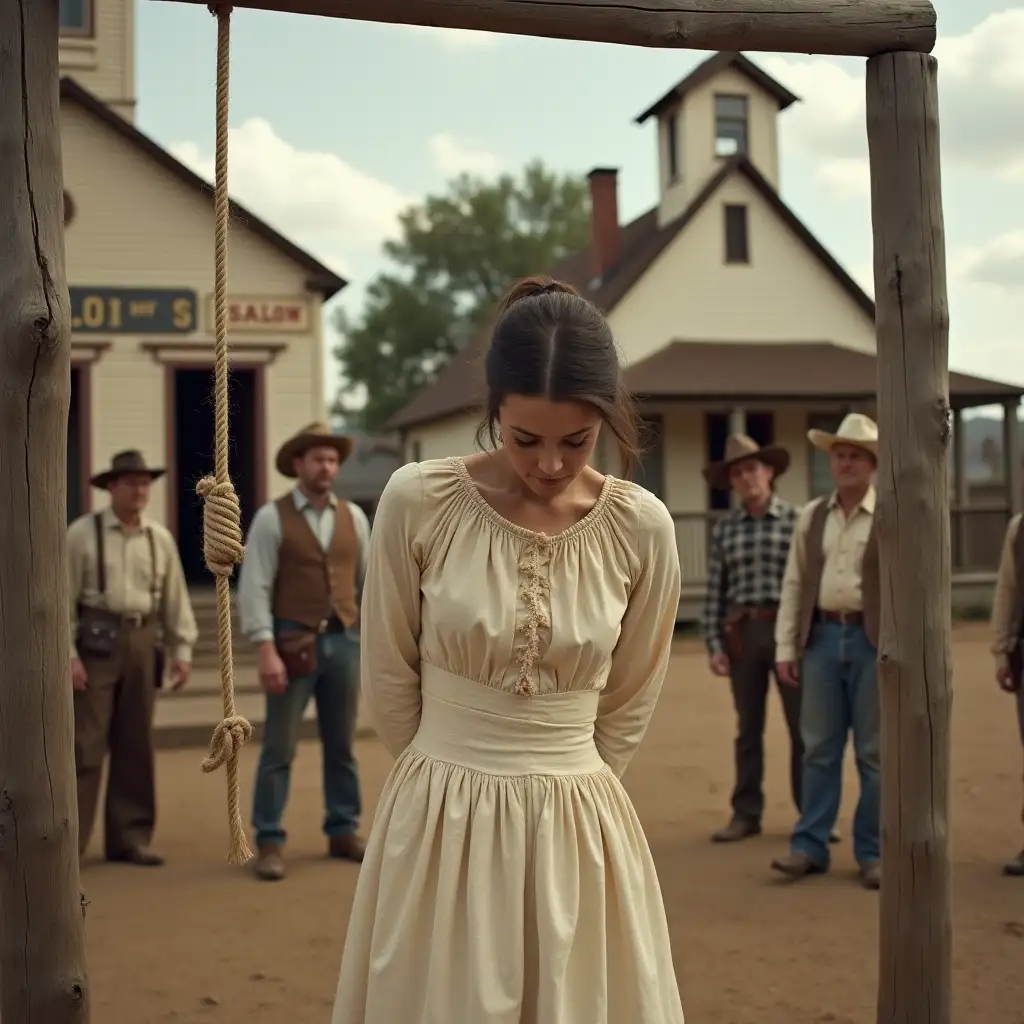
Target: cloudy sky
{"points": [[337, 125]]}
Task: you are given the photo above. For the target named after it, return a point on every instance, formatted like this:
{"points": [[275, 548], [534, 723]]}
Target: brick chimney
{"points": [[605, 241]]}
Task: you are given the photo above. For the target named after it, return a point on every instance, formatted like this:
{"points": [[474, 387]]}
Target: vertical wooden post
{"points": [[915, 659], [42, 965], [1011, 457], [961, 495]]}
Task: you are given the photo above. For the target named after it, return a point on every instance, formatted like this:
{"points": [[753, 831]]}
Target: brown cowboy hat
{"points": [[739, 447], [313, 436], [123, 464]]}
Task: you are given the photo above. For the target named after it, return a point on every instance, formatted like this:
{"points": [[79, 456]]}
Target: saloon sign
{"points": [[265, 316]]}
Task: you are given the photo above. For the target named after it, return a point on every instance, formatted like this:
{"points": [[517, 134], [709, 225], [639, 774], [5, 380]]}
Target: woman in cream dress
{"points": [[517, 619]]}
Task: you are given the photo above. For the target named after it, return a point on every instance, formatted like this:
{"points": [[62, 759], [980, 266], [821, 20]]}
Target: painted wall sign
{"points": [[132, 310], [265, 316]]}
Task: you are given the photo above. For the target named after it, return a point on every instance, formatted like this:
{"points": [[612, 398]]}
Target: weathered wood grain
{"points": [[856, 27], [915, 421], [42, 960]]}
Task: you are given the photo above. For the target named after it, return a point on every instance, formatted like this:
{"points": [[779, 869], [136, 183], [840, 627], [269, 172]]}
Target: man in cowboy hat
{"points": [[747, 558], [1007, 626], [826, 638], [129, 604], [299, 604]]}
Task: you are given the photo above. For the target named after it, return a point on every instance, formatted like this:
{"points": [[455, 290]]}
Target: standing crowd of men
{"points": [[790, 594], [133, 628], [795, 595]]}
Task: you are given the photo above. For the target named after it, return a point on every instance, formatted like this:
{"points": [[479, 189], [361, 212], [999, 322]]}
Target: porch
{"points": [[977, 536], [693, 395]]}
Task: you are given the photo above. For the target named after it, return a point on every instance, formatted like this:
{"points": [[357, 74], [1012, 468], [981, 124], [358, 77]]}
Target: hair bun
{"points": [[530, 287]]}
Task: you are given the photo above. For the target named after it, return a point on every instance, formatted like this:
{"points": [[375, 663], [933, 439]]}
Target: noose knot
{"points": [[228, 739], [223, 546]]}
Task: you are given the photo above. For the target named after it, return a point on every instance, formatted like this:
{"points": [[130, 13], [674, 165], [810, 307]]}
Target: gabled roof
{"points": [[457, 388], [321, 278], [781, 370], [712, 66]]}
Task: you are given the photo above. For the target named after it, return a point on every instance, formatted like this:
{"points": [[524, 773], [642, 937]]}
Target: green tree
{"points": [[457, 254]]}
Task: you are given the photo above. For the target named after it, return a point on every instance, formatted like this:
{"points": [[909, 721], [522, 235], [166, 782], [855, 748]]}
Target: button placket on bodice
{"points": [[535, 602]]}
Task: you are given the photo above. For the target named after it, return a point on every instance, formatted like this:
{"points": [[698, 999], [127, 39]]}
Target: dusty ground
{"points": [[200, 942]]}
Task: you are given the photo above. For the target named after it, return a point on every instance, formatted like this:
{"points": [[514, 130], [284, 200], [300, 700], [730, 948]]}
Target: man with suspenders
{"points": [[129, 607], [1008, 636]]}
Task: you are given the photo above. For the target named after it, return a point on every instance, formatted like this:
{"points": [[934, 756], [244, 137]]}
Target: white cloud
{"points": [[981, 95], [452, 157], [314, 198], [999, 264]]}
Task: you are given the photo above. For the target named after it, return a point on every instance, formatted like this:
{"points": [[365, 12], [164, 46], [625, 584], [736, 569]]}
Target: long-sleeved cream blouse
{"points": [[452, 584]]}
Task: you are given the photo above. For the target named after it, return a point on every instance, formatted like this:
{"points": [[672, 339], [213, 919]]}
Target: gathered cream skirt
{"points": [[507, 879]]}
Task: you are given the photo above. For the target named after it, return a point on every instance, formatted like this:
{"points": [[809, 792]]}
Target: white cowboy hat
{"points": [[856, 429], [739, 447]]}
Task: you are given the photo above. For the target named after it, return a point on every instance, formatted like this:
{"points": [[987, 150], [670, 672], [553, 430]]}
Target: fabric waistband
{"points": [[501, 733]]}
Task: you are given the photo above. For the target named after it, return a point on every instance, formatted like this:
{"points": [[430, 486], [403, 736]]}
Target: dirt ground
{"points": [[201, 942]]}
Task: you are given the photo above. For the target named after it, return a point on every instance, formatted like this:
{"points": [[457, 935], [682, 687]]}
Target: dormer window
{"points": [[731, 125], [76, 17]]}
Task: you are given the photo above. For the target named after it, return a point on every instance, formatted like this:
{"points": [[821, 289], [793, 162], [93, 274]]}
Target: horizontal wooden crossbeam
{"points": [[860, 28]]}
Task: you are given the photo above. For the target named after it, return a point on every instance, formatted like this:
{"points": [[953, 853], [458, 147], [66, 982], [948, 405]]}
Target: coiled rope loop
{"points": [[223, 546]]}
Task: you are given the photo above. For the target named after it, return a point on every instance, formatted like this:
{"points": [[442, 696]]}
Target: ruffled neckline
{"points": [[490, 513]]}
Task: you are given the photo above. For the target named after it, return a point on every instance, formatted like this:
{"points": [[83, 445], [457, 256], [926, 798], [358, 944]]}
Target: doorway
{"points": [[77, 466], [192, 409], [717, 427]]}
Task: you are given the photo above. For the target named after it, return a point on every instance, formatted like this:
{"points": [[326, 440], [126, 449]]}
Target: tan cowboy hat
{"points": [[739, 447], [123, 464], [313, 436], [856, 429]]}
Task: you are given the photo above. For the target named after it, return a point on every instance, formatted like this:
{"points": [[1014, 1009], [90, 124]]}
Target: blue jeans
{"points": [[335, 687], [839, 694]]}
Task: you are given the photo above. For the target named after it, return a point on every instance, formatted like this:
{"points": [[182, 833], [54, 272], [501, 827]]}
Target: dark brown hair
{"points": [[549, 341]]}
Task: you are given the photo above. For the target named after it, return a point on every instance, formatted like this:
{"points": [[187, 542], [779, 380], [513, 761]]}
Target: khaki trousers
{"points": [[114, 715]]}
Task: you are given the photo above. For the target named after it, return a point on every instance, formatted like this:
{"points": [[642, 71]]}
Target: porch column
{"points": [[737, 421], [737, 425], [1011, 457], [961, 496]]}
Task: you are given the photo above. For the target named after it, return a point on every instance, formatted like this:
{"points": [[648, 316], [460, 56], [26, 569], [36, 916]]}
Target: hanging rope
{"points": [[222, 514]]}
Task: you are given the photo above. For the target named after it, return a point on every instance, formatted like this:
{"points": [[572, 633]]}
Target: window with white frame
{"points": [[76, 17]]}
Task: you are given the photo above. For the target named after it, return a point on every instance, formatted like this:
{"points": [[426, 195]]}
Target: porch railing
{"points": [[976, 533]]}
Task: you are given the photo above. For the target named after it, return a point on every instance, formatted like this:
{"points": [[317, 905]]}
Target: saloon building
{"points": [[139, 243]]}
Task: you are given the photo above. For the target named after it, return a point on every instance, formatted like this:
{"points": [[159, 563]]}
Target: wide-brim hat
{"points": [[316, 435], [739, 447], [856, 429], [127, 463]]}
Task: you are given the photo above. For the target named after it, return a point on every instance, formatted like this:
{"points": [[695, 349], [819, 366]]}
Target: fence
{"points": [[976, 532]]}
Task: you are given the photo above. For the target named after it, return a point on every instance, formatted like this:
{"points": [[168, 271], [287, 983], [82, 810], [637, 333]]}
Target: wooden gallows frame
{"points": [[42, 968]]}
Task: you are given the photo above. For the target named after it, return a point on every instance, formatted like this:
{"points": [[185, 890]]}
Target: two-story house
{"points": [[139, 242], [730, 314]]}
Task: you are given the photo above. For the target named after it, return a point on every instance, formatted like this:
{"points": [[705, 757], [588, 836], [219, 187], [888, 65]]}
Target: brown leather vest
{"points": [[312, 582], [814, 564]]}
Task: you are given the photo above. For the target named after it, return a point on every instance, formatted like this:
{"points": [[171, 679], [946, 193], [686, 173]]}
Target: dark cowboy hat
{"points": [[739, 447], [123, 464], [314, 436]]}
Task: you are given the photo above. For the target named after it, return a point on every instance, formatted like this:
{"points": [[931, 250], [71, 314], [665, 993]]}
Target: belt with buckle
{"points": [[136, 620], [332, 624], [842, 618], [755, 612]]}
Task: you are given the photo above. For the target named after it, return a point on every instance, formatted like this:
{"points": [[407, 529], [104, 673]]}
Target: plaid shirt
{"points": [[746, 563]]}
